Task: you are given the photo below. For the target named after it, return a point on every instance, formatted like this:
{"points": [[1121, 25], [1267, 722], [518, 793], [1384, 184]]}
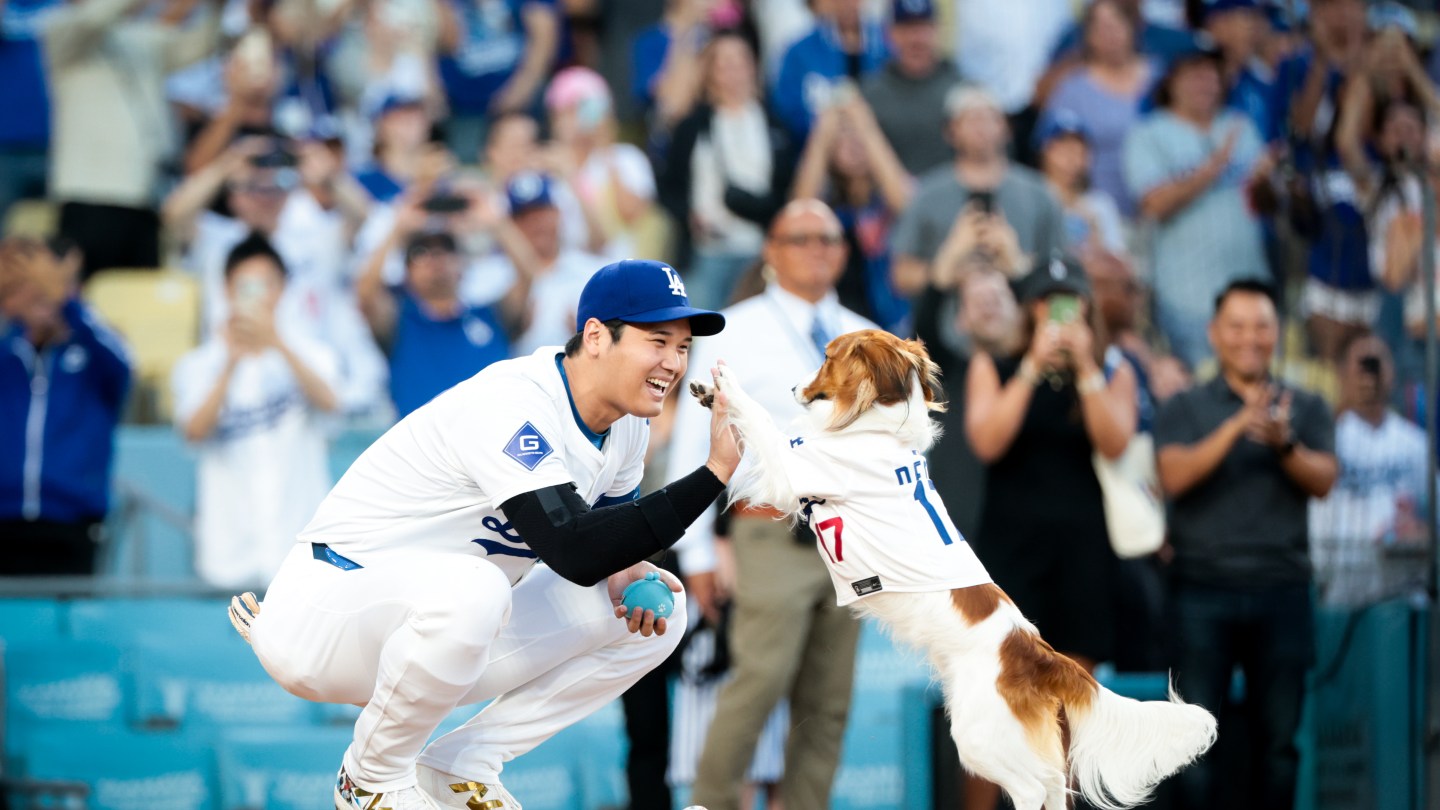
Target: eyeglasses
{"points": [[803, 239]]}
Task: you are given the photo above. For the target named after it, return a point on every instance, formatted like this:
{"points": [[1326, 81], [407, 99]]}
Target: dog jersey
{"points": [[436, 480], [877, 518]]}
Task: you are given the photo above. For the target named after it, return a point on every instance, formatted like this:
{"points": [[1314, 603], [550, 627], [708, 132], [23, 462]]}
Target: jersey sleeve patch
{"points": [[528, 447]]}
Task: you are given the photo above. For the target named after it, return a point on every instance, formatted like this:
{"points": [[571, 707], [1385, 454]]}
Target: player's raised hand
{"points": [[724, 443]]}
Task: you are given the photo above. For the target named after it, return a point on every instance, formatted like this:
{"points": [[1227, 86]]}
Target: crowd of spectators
{"points": [[1133, 221]]}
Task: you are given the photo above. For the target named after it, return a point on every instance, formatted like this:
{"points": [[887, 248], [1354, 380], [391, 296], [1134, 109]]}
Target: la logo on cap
{"points": [[677, 287]]}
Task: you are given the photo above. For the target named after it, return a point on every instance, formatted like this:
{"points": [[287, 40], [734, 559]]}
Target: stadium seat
{"points": [[126, 770], [57, 685], [31, 620], [216, 682], [286, 768], [158, 313]]}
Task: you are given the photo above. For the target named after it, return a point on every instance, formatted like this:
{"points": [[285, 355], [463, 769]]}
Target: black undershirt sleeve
{"points": [[587, 545]]}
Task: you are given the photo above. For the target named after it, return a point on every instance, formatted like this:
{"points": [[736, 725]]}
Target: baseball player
{"points": [[416, 588]]}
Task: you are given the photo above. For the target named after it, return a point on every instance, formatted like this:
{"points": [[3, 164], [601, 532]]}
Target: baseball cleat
{"points": [[463, 794], [350, 796]]}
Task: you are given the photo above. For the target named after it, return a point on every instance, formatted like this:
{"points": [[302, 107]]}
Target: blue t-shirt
{"points": [[491, 47], [647, 57], [25, 120], [810, 68], [429, 355]]}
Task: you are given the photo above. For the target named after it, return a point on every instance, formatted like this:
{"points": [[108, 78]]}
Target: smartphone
{"points": [[1370, 364], [445, 203], [277, 157], [1063, 308], [249, 294], [984, 201]]}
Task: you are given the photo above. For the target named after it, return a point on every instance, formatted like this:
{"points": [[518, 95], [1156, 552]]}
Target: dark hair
{"points": [[572, 346], [1162, 94], [251, 247], [1246, 286]]}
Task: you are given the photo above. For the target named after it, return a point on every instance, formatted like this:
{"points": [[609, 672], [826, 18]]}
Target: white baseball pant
{"points": [[412, 635]]}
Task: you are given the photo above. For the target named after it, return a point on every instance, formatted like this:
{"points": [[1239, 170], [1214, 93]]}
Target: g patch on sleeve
{"points": [[528, 447]]}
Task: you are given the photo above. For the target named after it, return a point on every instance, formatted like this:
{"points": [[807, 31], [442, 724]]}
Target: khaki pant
{"points": [[787, 638]]}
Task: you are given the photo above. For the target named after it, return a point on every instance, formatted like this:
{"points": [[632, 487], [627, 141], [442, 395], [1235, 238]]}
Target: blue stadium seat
{"points": [[31, 620], [215, 682], [127, 770], [176, 621], [61, 684], [290, 768]]}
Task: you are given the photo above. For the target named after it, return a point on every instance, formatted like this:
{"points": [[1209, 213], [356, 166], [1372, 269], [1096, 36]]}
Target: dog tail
{"points": [[1121, 748]]}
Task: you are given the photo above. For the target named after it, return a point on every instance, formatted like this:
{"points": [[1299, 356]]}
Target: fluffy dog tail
{"points": [[1121, 748]]}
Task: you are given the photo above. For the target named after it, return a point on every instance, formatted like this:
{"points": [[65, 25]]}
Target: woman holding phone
{"points": [[1035, 419]]}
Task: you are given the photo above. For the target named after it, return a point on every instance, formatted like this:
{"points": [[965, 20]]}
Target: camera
{"points": [[278, 157], [984, 201], [1370, 364], [445, 203]]}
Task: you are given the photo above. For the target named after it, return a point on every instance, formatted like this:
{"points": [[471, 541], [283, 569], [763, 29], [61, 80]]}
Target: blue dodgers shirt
{"points": [[26, 119], [491, 47], [429, 355]]}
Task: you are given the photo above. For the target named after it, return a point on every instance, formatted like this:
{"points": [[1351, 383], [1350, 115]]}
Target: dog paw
{"points": [[702, 392]]}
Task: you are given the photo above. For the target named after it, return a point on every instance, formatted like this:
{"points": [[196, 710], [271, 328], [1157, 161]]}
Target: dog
{"points": [[855, 471]]}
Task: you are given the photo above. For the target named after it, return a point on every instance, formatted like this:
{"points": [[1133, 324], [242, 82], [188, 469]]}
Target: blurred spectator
{"points": [[63, 380], [666, 72], [1240, 30], [984, 175], [1092, 219], [1104, 91], [495, 57], [1325, 208], [250, 399], [845, 46], [112, 136], [908, 92], [787, 636], [727, 172], [559, 272], [1378, 503], [613, 179], [1239, 457], [512, 147], [1190, 164], [300, 199], [1120, 299], [402, 131], [1152, 38], [1036, 418], [432, 338], [975, 311], [849, 163], [252, 81], [25, 127], [1004, 45], [1398, 224]]}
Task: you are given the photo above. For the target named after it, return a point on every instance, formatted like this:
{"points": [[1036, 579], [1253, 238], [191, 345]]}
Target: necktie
{"points": [[819, 335]]}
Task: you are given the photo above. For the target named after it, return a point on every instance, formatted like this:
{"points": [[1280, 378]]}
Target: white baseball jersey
{"points": [[877, 518], [437, 479]]}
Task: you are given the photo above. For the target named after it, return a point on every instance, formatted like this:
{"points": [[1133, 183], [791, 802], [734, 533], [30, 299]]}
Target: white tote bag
{"points": [[1134, 511]]}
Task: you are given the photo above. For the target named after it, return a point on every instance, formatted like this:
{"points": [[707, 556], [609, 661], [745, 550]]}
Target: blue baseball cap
{"points": [[528, 190], [1059, 123], [396, 101], [908, 11], [642, 291], [1221, 6]]}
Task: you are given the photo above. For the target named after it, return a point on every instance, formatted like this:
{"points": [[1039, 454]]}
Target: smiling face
{"points": [[638, 369], [1243, 333]]}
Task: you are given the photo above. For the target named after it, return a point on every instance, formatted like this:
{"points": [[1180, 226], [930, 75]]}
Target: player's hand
{"points": [[644, 622], [724, 441]]}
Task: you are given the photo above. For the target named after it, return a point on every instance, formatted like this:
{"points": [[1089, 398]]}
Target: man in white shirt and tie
{"points": [[788, 638]]}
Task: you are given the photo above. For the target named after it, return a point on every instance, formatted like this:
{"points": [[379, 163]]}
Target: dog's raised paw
{"points": [[702, 392]]}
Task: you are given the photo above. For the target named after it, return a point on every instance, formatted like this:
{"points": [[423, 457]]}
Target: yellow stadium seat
{"points": [[36, 219], [158, 314]]}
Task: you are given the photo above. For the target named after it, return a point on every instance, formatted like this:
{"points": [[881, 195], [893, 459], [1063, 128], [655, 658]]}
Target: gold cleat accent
{"points": [[474, 802]]}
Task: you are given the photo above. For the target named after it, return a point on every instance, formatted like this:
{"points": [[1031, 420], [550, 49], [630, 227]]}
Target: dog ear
{"points": [[927, 371]]}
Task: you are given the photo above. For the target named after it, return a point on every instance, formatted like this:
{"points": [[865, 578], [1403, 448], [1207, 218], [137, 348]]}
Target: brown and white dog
{"points": [[1004, 685]]}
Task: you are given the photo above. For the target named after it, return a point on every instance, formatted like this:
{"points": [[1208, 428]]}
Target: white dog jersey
{"points": [[437, 479], [877, 518]]}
